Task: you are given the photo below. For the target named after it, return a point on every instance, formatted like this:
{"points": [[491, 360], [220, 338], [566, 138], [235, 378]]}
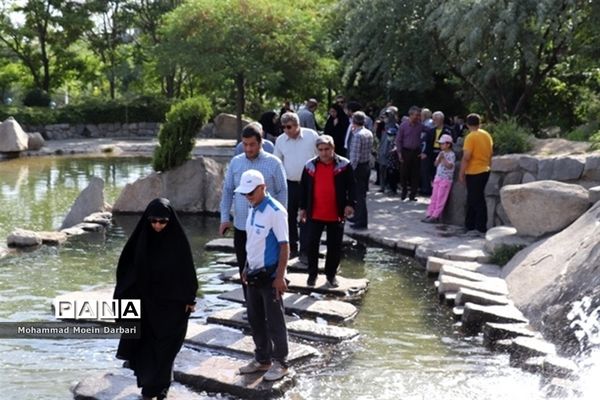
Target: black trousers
{"points": [[239, 244], [267, 322], [476, 217], [293, 224], [335, 232], [361, 186], [409, 172]]}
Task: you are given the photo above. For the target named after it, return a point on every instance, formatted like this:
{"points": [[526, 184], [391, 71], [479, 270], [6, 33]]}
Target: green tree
{"points": [[248, 44], [42, 40]]}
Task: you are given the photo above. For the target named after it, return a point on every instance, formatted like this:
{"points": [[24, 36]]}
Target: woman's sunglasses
{"points": [[162, 221]]}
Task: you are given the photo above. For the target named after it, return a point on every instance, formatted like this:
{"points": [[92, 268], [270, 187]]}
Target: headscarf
{"points": [[157, 264], [269, 127]]}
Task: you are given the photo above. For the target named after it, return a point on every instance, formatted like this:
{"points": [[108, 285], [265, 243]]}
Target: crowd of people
{"points": [[287, 183]]}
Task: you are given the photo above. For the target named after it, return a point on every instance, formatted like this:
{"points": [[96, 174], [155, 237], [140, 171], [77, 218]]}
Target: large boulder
{"points": [[226, 126], [12, 137], [35, 141], [559, 275], [89, 201], [542, 207], [193, 187]]}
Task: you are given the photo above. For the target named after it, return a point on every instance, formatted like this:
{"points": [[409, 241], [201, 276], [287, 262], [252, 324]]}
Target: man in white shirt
{"points": [[294, 148]]}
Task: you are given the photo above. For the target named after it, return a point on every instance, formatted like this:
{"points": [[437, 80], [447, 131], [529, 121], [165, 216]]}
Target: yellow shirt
{"points": [[438, 133], [480, 145]]}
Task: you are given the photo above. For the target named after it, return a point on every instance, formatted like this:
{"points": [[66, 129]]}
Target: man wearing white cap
{"points": [[267, 247]]}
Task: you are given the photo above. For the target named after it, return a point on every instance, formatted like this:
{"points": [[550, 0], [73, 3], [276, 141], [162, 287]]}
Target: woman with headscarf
{"points": [[336, 126], [269, 122], [156, 266]]}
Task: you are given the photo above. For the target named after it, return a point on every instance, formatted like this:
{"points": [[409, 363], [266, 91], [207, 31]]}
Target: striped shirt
{"points": [[275, 179], [360, 147], [266, 229]]}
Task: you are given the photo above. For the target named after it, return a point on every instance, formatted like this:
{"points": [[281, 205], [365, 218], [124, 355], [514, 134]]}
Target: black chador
{"points": [[156, 266]]}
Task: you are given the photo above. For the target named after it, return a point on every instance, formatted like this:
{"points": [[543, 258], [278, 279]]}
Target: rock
{"points": [[529, 164], [494, 331], [560, 169], [12, 137], [594, 193], [505, 236], [543, 207], [492, 188], [465, 295], [330, 310], [35, 141], [23, 238], [89, 201], [226, 126], [233, 341], [435, 264], [475, 316], [221, 244], [218, 374], [557, 276], [528, 177], [591, 170], [122, 386], [207, 131], [559, 367], [512, 178], [457, 272], [454, 212], [452, 284], [297, 327], [99, 218], [524, 348], [192, 187], [53, 238], [506, 163]]}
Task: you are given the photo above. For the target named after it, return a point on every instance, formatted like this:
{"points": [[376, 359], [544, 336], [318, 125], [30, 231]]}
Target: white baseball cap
{"points": [[445, 138], [249, 181]]}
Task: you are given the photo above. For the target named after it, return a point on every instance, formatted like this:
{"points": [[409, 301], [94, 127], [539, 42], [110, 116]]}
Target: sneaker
{"points": [[276, 372], [332, 283], [311, 281], [254, 366]]}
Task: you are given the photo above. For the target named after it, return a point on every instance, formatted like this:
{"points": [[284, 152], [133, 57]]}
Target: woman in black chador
{"points": [[156, 266]]}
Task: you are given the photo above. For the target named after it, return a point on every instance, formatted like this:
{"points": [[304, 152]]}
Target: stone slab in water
{"points": [[465, 295], [462, 273], [301, 328], [348, 288], [229, 260], [226, 245], [303, 305], [453, 284], [219, 374], [53, 238], [494, 331], [475, 315], [559, 388], [559, 367], [101, 218], [122, 385], [434, 265], [523, 348], [232, 340], [23, 238]]}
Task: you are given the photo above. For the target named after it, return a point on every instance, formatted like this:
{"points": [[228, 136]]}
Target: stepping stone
{"points": [[232, 340], [229, 260], [475, 315], [348, 288], [448, 299], [452, 284], [493, 331], [559, 367], [301, 328], [524, 348], [122, 385], [465, 295], [434, 265], [226, 245], [563, 389], [219, 374], [303, 305], [457, 272]]}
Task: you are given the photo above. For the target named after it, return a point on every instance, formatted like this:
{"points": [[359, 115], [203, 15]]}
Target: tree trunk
{"points": [[240, 102]]}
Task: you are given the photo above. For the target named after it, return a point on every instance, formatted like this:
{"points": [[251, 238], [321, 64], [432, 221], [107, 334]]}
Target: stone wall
{"points": [[513, 169], [75, 131]]}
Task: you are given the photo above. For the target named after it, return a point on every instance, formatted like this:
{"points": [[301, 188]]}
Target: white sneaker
{"points": [[254, 366], [276, 372]]}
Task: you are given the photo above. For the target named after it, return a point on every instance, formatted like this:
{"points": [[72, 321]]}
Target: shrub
{"points": [[176, 137], [584, 132], [503, 254], [510, 137], [595, 141], [37, 98]]}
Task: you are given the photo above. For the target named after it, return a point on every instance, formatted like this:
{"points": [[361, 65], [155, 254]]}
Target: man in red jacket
{"points": [[326, 200]]}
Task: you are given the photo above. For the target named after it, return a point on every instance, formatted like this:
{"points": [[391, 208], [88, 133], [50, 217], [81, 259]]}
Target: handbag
{"points": [[393, 159]]}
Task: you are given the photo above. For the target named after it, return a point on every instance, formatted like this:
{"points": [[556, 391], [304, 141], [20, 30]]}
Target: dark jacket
{"points": [[427, 143], [343, 180]]}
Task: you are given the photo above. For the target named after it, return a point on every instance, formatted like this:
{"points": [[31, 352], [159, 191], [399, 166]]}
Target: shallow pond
{"points": [[408, 348]]}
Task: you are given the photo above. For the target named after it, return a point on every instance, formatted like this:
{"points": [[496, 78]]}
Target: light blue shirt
{"points": [[267, 146], [275, 179]]}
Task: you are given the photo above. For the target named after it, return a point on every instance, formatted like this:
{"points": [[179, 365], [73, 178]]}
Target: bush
{"points": [[503, 254], [595, 141], [177, 135], [37, 98], [584, 132], [510, 137]]}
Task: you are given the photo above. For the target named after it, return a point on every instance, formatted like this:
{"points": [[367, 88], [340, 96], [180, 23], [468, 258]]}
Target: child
{"points": [[443, 180]]}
